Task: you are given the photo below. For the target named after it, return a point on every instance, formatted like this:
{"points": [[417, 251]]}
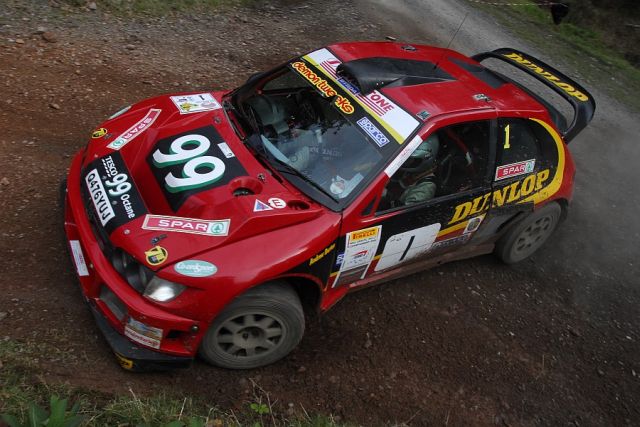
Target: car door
{"points": [[526, 163], [409, 225]]}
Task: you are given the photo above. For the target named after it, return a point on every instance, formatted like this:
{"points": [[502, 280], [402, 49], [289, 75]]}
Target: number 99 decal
{"points": [[198, 170]]}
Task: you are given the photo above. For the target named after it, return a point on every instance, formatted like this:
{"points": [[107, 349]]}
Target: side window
{"points": [[450, 160], [518, 142]]}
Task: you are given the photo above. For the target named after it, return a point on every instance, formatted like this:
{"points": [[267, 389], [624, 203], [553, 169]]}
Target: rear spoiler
{"points": [[582, 102]]}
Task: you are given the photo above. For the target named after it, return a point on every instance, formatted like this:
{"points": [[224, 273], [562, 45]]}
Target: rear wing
{"points": [[582, 102]]}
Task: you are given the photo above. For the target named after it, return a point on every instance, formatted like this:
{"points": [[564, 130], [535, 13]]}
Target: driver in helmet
{"points": [[417, 177]]}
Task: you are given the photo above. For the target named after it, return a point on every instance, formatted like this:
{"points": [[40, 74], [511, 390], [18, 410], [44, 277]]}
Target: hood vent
{"points": [[370, 74]]}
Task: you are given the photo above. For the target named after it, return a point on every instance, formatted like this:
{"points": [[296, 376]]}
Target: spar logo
{"points": [[515, 169], [187, 225], [135, 130]]}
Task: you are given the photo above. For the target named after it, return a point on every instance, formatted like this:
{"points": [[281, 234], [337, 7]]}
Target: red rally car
{"points": [[204, 222]]}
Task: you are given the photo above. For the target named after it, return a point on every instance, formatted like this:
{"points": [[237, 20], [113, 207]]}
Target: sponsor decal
{"points": [[399, 123], [124, 362], [115, 199], [99, 133], [547, 75], [512, 193], [260, 206], [187, 225], [371, 130], [191, 162], [195, 103], [515, 169], [322, 254], [119, 113], [195, 268], [78, 258], [408, 245], [423, 115], [403, 156], [324, 87], [143, 334], [360, 248], [277, 203], [135, 130], [226, 150], [473, 224], [156, 255]]}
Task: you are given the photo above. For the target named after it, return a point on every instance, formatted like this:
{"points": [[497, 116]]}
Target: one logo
{"points": [[156, 255], [195, 268], [99, 133]]}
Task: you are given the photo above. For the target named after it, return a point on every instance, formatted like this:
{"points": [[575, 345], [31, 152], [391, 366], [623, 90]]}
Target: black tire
{"points": [[529, 234], [259, 327]]}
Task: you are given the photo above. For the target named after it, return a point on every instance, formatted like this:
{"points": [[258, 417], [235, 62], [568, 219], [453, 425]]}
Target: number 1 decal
{"points": [[189, 149], [507, 143], [405, 246]]}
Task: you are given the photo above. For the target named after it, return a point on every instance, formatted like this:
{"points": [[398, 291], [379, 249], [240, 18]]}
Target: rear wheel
{"points": [[258, 328], [529, 235]]}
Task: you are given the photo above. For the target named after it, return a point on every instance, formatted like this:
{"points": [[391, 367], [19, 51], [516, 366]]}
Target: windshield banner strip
{"points": [[358, 116], [391, 116]]}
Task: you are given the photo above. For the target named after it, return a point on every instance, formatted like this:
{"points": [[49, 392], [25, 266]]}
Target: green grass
{"points": [[22, 384], [583, 48]]}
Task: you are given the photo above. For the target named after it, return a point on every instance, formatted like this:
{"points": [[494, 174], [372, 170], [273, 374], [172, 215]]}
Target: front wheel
{"points": [[529, 235], [259, 327]]}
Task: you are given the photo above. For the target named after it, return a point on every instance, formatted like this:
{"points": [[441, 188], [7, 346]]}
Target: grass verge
{"points": [[595, 63], [23, 385]]}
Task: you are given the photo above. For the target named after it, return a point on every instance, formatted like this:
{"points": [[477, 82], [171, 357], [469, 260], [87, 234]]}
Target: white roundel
{"points": [[277, 203]]}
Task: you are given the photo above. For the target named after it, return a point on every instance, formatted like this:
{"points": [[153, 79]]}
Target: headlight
{"points": [[162, 290]]}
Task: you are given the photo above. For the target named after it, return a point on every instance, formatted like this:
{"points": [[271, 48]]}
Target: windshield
{"points": [[302, 126]]}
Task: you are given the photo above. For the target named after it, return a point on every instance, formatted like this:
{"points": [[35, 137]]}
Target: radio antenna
{"points": [[452, 38]]}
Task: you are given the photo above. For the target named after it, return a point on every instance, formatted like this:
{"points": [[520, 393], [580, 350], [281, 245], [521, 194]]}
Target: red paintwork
{"points": [[267, 245]]}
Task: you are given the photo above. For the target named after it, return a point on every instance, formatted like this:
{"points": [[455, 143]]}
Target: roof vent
{"points": [[370, 74]]}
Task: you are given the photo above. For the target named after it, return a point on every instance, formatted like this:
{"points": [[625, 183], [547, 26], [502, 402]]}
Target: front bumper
{"points": [[114, 303]]}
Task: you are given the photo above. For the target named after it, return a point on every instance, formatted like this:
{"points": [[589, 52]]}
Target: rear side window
{"points": [[518, 142], [524, 146]]}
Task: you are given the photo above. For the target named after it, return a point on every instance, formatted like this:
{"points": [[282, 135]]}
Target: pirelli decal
{"points": [[515, 57], [391, 117]]}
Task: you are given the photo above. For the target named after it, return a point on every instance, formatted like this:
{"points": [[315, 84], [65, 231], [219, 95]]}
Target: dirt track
{"points": [[550, 342]]}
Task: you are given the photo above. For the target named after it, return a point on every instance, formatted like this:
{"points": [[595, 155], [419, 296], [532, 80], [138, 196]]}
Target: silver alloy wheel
{"points": [[529, 234], [533, 236], [257, 328], [250, 335]]}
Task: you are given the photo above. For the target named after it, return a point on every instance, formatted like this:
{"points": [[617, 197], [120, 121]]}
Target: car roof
{"points": [[442, 81]]}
